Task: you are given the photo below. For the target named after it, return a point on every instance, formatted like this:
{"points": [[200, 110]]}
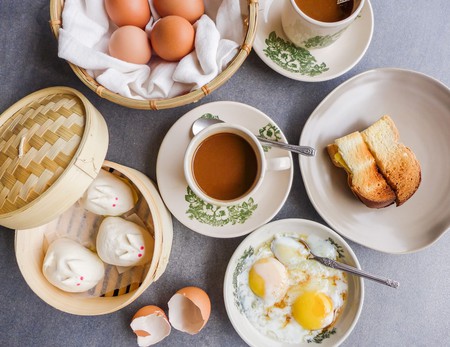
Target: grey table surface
{"points": [[410, 35]]}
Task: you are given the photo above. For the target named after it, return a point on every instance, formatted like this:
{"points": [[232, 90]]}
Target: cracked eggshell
{"points": [[150, 324], [189, 309]]}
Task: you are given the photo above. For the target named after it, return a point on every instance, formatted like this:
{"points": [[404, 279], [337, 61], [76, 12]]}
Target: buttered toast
{"points": [[381, 170], [397, 163], [351, 153]]}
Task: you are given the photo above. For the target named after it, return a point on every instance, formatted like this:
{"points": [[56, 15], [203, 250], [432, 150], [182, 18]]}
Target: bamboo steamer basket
{"points": [[36, 207], [56, 8]]}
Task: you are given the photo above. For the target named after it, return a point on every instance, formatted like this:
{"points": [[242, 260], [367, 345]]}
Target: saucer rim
{"points": [[227, 231], [322, 77]]}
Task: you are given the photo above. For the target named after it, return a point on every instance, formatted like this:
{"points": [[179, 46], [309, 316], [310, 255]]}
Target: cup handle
{"points": [[278, 164]]}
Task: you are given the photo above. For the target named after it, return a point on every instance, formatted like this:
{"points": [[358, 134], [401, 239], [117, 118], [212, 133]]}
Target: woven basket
{"points": [[53, 144], [56, 8]]}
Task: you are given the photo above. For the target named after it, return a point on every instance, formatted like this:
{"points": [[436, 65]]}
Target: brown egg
{"points": [[188, 9], [130, 44], [128, 12], [172, 38]]}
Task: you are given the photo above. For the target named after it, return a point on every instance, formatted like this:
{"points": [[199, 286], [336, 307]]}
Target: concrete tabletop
{"points": [[410, 35]]}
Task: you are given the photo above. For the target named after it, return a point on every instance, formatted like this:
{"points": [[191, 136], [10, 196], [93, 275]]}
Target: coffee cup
{"points": [[309, 25], [225, 164]]}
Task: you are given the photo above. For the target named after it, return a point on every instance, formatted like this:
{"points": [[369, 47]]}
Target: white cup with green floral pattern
{"points": [[225, 164], [307, 32]]}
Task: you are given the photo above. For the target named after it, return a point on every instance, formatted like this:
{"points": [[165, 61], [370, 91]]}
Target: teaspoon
{"points": [[203, 123], [347, 268]]}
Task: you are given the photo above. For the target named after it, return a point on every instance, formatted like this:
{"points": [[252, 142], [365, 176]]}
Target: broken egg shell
{"points": [[150, 324], [189, 310]]}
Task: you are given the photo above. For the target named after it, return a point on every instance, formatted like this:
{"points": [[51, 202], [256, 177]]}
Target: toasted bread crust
{"points": [[397, 163], [351, 153]]}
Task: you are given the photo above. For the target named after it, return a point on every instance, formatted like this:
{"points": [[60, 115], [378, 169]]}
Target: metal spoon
{"points": [[202, 123], [340, 2], [347, 268]]}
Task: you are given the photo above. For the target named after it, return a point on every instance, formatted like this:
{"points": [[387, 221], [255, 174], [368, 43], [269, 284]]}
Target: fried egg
{"points": [[268, 279], [287, 296]]}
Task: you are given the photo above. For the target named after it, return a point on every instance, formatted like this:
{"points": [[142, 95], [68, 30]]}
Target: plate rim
{"points": [[310, 119]]}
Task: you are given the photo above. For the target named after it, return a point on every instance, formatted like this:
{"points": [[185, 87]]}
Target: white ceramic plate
{"points": [[245, 329], [222, 222], [420, 107], [313, 65]]}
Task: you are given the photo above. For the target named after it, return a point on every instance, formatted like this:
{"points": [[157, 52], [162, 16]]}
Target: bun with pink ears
{"points": [[124, 243], [108, 195], [72, 267]]}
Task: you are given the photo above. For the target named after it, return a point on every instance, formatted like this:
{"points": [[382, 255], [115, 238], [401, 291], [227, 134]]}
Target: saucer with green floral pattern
{"points": [[310, 64], [221, 221]]}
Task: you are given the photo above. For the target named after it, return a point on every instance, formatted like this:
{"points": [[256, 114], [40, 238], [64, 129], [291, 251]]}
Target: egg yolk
{"points": [[310, 310], [268, 279], [256, 283]]}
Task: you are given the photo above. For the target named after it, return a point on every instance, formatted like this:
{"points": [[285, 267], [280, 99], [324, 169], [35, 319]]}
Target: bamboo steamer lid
{"points": [[52, 145]]}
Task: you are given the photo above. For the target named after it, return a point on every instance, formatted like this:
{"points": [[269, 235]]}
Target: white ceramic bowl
{"points": [[353, 306]]}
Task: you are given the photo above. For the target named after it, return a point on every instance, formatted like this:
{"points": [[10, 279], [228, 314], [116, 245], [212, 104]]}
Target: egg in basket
{"points": [[183, 52]]}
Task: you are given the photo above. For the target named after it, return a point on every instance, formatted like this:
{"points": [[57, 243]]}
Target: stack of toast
{"points": [[381, 170]]}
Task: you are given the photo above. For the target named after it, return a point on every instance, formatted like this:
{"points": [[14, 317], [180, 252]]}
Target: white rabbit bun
{"points": [[72, 267], [124, 243], [108, 195]]}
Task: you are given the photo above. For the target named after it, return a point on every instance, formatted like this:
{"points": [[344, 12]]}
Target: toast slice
{"points": [[397, 163], [351, 153]]}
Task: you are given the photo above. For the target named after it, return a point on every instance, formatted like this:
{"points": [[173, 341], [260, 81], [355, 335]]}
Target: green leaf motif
{"points": [[292, 58], [237, 271], [323, 335], [339, 248], [218, 216], [270, 132], [322, 41], [209, 116]]}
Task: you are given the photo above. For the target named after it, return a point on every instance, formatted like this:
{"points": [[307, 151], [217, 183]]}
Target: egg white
{"points": [[276, 321]]}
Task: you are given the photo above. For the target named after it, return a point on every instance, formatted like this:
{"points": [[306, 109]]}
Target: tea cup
{"points": [[225, 164], [305, 31]]}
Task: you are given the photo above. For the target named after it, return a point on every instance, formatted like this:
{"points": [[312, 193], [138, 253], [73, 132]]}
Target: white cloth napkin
{"points": [[84, 38], [265, 7]]}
